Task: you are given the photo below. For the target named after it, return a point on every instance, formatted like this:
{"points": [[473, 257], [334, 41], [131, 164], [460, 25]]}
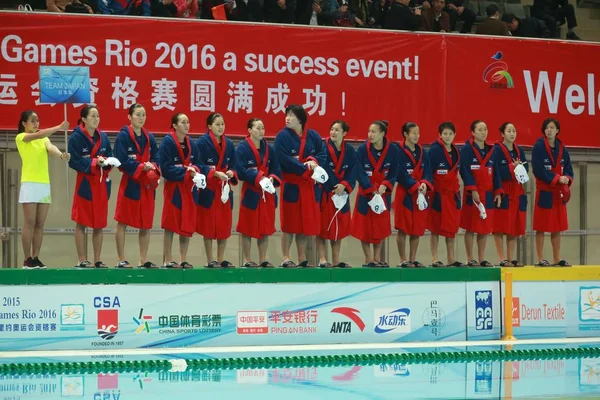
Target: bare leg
{"points": [[450, 250], [469, 236], [322, 249], [414, 246], [167, 246], [246, 243], [80, 242], [29, 219], [401, 243], [336, 246], [377, 252], [221, 245], [499, 242], [263, 245], [539, 245], [286, 245], [38, 229], [184, 243], [97, 238], [120, 239], [208, 250], [301, 242], [144, 240], [481, 242], [511, 246], [433, 244], [366, 247], [555, 240]]}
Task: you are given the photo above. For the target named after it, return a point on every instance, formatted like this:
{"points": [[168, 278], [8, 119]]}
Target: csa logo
{"points": [[497, 75], [346, 326], [108, 316], [484, 320]]}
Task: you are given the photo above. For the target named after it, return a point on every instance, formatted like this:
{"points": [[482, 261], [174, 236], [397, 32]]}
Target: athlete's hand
{"points": [[339, 189], [100, 160], [475, 195], [564, 180], [148, 166], [222, 176], [498, 200], [382, 189], [310, 165], [229, 174], [423, 188]]}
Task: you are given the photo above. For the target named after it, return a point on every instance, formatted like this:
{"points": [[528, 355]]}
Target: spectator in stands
{"points": [[360, 8], [435, 19], [378, 13], [555, 13], [68, 6], [186, 8], [492, 25], [163, 8], [526, 27], [247, 10], [400, 17], [457, 11], [338, 14], [125, 7], [308, 12], [280, 11], [34, 146]]}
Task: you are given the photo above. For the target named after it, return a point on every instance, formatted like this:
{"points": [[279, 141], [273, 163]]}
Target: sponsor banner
{"points": [[259, 314], [583, 305], [476, 380], [483, 310], [539, 310], [457, 78]]}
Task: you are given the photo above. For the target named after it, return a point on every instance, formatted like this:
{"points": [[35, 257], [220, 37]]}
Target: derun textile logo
{"points": [[390, 320], [108, 316], [346, 326], [497, 75], [484, 320]]}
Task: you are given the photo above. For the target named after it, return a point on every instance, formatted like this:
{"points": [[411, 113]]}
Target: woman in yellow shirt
{"points": [[33, 145]]}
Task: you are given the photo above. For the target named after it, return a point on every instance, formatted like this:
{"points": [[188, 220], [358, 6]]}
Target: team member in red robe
{"points": [[136, 149], [481, 185], [376, 171], [89, 148], [510, 216], [335, 225], [414, 177], [179, 163], [214, 218], [256, 160], [299, 151], [444, 210], [553, 178]]}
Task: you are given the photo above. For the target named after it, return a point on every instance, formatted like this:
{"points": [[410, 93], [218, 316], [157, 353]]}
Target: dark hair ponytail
{"points": [[133, 107], [25, 115], [84, 113], [212, 117], [175, 119], [252, 121], [382, 125], [343, 124], [407, 127]]}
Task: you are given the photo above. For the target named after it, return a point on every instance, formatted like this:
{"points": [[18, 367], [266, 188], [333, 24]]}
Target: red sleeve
{"points": [[387, 185], [234, 181], [428, 184], [471, 188], [138, 171], [259, 176], [414, 187], [347, 186]]}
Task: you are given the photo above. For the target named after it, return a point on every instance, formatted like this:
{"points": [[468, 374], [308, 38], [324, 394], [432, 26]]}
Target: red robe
{"points": [[179, 208], [257, 214], [444, 219], [511, 219], [90, 201], [138, 213]]}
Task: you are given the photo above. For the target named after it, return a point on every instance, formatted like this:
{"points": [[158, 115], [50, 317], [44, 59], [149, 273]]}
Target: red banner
{"points": [[245, 71]]}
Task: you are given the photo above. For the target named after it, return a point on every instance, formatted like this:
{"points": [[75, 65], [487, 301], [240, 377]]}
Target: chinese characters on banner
{"points": [[358, 76]]}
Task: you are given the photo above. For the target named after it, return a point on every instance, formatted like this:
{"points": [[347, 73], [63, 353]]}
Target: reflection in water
{"points": [[575, 378]]}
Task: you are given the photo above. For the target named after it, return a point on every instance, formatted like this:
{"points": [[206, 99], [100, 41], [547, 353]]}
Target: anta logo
{"points": [[346, 326]]}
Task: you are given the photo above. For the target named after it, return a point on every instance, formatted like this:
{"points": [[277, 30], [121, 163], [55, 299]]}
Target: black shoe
{"points": [[572, 36], [39, 263], [29, 264]]}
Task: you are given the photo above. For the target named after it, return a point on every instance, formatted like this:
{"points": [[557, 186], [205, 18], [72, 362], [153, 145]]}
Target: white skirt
{"points": [[34, 192]]}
